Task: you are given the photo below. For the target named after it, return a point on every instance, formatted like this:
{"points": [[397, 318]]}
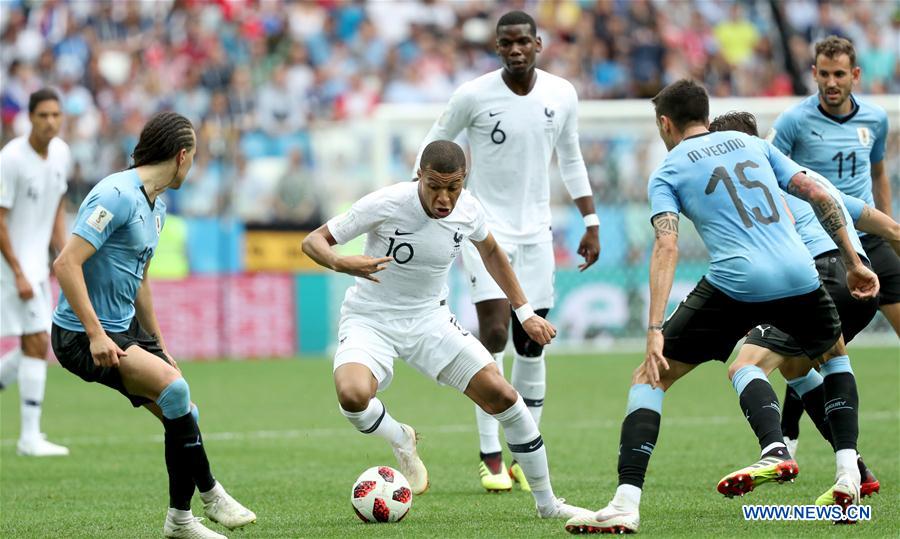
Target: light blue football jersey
{"points": [[729, 185], [841, 149], [815, 238], [119, 221]]}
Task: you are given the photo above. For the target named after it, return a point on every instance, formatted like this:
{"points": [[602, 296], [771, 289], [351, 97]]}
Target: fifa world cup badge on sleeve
{"points": [[99, 218]]}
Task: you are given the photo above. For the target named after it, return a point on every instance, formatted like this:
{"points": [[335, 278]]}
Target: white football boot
{"points": [[40, 447], [221, 508], [411, 466], [560, 509], [192, 529], [610, 519]]}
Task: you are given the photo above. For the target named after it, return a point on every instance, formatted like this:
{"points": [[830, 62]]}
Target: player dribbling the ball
{"points": [[398, 308]]}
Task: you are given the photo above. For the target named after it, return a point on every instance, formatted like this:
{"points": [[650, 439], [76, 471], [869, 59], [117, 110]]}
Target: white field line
{"points": [[288, 434]]}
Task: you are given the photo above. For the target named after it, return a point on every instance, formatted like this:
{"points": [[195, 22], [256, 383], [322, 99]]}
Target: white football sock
{"points": [[32, 380], [212, 493], [488, 428], [846, 462], [376, 420], [9, 367], [180, 517], [627, 497], [528, 449], [529, 377]]}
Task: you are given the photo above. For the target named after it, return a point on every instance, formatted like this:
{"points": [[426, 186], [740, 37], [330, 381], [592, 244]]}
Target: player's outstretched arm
{"points": [[876, 222], [497, 265], [863, 283], [318, 246], [22, 285], [68, 268], [662, 272]]}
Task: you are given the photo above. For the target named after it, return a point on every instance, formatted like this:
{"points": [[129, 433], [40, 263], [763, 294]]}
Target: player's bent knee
{"points": [[36, 345], [735, 366], [526, 347], [795, 367], [502, 399], [175, 399], [354, 397], [836, 350], [494, 337], [640, 375]]}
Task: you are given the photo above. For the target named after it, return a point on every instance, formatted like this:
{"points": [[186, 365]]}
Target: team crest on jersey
{"points": [[865, 136], [457, 239], [158, 225], [549, 114], [99, 218]]}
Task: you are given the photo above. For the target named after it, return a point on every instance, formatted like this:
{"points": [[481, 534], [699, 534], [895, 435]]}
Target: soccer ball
{"points": [[381, 494]]}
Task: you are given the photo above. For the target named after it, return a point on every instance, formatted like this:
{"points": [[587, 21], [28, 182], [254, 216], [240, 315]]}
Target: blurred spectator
{"points": [[737, 36], [296, 197], [279, 112]]}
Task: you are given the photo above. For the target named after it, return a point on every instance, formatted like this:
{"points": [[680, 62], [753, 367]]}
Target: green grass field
{"points": [[278, 443]]}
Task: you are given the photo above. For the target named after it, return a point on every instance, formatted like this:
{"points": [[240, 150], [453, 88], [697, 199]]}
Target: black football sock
{"points": [[842, 409], [640, 431], [791, 412], [841, 402], [814, 404], [760, 406], [186, 460]]}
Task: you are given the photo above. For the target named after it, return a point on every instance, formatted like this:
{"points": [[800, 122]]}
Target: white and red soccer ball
{"points": [[381, 494]]}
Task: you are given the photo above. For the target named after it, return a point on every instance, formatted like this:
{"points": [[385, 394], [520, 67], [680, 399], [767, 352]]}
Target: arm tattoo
{"points": [[827, 209], [665, 224]]}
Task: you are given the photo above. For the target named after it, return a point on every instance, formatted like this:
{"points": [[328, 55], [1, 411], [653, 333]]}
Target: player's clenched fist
{"points": [[540, 330], [106, 352], [362, 266], [862, 282]]}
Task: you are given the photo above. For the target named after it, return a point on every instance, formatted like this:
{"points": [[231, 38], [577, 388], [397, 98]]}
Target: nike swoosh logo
{"points": [[398, 233], [492, 114], [342, 340]]}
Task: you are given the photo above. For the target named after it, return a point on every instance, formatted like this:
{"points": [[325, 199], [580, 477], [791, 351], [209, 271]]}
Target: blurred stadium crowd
{"points": [[256, 76]]}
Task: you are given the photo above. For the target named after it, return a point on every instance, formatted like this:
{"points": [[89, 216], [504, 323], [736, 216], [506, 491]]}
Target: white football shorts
{"points": [[433, 344], [18, 317], [533, 264]]}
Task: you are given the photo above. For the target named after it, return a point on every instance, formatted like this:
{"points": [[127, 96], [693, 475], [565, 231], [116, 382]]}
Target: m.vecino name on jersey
{"points": [[721, 148]]}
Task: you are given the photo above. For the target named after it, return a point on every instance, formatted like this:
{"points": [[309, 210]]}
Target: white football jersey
{"points": [[423, 249], [512, 139], [31, 187]]}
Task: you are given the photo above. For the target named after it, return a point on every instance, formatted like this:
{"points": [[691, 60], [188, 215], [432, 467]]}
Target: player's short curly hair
{"points": [[162, 138], [684, 102], [834, 46], [517, 17], [444, 156], [735, 121]]}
